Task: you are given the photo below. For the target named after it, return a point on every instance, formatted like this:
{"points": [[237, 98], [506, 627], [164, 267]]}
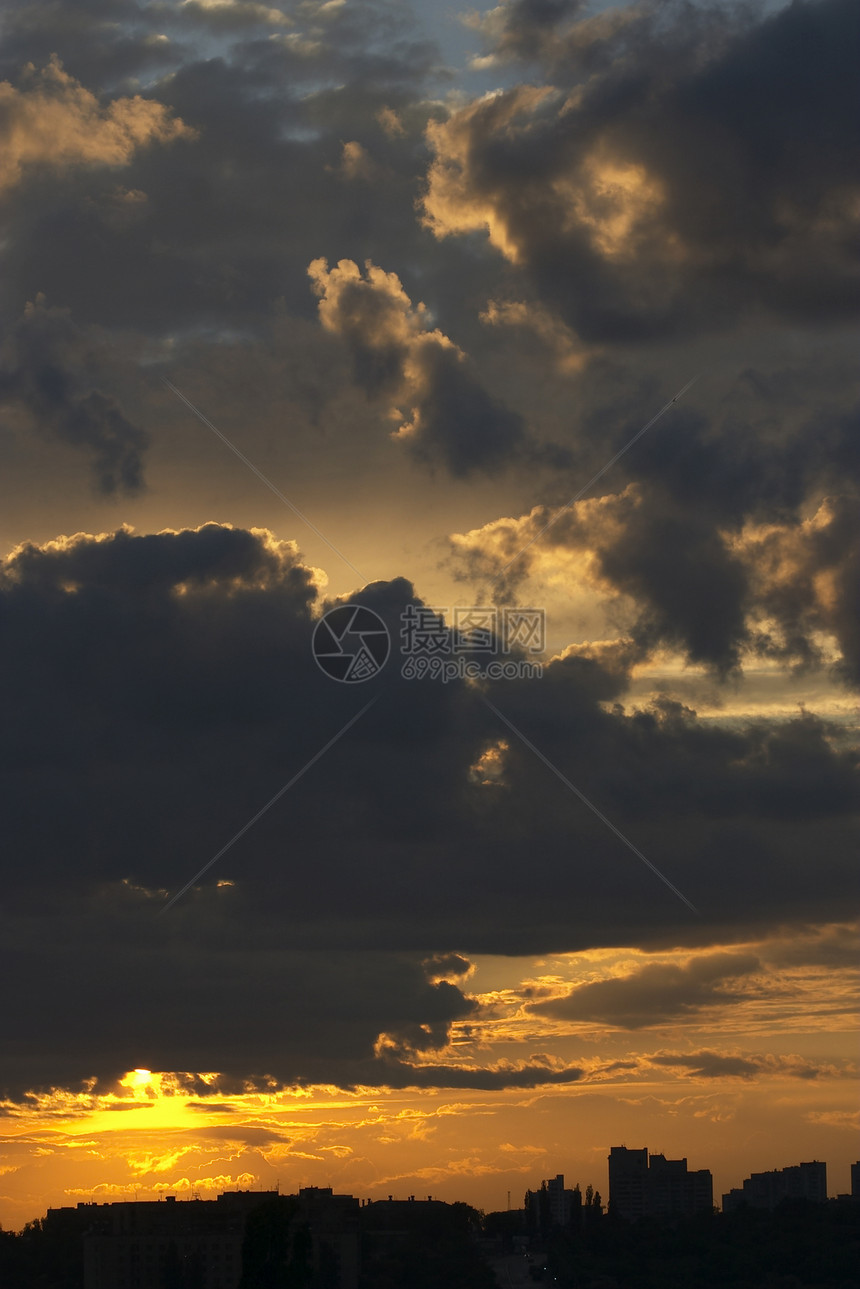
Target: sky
{"points": [[535, 313]]}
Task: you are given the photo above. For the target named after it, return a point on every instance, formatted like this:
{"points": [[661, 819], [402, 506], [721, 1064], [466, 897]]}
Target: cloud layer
{"points": [[156, 675], [434, 303]]}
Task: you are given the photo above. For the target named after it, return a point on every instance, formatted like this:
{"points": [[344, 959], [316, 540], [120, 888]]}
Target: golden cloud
{"points": [[53, 120], [545, 325], [451, 203], [374, 311], [610, 198]]}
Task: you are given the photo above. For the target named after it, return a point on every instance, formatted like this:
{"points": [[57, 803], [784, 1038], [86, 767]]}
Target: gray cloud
{"points": [[674, 174], [526, 29], [226, 220], [656, 993], [710, 1064], [835, 947], [445, 413], [47, 367], [445, 965], [638, 205], [486, 1078], [715, 1065], [157, 690], [728, 529]]}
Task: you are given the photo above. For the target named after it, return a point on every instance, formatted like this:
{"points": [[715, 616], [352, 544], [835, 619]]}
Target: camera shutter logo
{"points": [[351, 644]]}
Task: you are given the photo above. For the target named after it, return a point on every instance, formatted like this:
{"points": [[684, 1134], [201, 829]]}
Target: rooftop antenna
{"points": [[509, 1201]]}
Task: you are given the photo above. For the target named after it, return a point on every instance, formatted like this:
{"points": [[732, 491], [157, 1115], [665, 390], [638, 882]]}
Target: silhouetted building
{"points": [[392, 1220], [673, 1189], [151, 1244], [767, 1190], [553, 1204], [560, 1200], [628, 1181], [420, 1241], [333, 1224], [143, 1244], [855, 1180], [656, 1187]]}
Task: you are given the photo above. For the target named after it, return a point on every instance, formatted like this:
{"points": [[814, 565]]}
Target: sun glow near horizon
{"points": [[739, 1034]]}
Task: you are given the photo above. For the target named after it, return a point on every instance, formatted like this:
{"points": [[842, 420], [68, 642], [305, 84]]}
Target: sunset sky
{"points": [[427, 270]]}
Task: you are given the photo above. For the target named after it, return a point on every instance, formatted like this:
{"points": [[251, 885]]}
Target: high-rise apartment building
{"points": [[640, 1186]]}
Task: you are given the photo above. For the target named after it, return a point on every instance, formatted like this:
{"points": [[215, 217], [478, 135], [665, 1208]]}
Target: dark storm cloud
{"points": [[219, 623], [710, 1064], [526, 29], [107, 44], [690, 589], [302, 138], [684, 170], [443, 965], [224, 226], [294, 1018], [446, 414], [460, 422], [686, 588], [560, 36], [832, 947], [158, 690], [48, 367], [713, 543], [695, 180], [487, 1079], [809, 582], [717, 1065], [656, 993], [100, 43]]}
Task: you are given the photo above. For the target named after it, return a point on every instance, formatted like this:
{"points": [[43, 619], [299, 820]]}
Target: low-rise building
{"points": [[767, 1190], [144, 1244], [153, 1244]]}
